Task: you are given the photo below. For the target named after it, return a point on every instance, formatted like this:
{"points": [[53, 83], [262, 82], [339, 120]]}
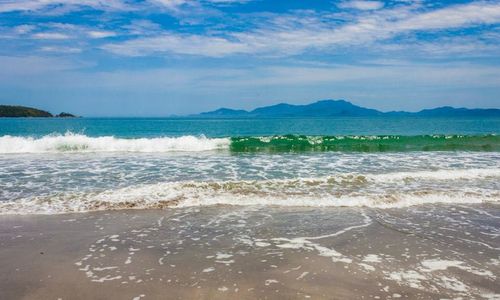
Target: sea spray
{"points": [[70, 142]]}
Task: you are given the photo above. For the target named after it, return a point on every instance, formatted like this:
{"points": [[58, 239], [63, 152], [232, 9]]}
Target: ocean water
{"points": [[75, 165]]}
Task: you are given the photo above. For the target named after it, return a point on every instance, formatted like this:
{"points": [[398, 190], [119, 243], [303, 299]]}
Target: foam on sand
{"points": [[399, 189]]}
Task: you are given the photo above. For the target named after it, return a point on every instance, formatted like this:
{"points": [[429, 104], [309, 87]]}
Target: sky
{"points": [[165, 57]]}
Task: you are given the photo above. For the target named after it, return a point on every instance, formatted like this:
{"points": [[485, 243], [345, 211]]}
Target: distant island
{"points": [[9, 111], [342, 108]]}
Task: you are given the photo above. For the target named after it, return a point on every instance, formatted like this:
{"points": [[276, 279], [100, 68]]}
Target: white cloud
{"points": [[7, 6], [172, 4], [454, 16], [478, 46], [99, 34], [176, 3], [296, 34], [50, 36], [105, 5], [58, 31], [362, 5], [23, 29], [188, 44], [227, 1], [142, 27], [61, 49], [35, 5], [371, 25], [63, 6]]}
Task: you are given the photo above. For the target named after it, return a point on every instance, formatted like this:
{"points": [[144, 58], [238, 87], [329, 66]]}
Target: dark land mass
{"points": [[65, 115], [9, 111], [342, 108]]}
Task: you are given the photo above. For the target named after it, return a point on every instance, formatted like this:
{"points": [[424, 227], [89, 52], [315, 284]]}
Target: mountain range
{"points": [[342, 108]]}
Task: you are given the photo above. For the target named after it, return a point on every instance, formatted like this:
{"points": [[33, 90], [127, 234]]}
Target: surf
{"points": [[71, 143], [357, 143], [389, 190], [80, 143]]}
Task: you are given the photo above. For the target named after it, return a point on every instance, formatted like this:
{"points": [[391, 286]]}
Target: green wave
{"points": [[380, 143]]}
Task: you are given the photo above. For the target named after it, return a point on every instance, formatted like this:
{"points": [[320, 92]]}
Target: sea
{"points": [[57, 165]]}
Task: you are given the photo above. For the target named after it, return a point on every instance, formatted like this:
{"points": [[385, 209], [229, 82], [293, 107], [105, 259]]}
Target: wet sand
{"points": [[232, 252]]}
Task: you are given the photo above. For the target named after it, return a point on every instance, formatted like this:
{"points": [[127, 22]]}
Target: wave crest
{"points": [[381, 143], [70, 142]]}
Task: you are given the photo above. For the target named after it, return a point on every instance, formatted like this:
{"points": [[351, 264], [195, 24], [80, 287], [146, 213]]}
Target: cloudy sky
{"points": [[163, 57]]}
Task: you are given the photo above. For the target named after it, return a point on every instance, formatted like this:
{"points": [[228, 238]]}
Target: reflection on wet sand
{"points": [[431, 251]]}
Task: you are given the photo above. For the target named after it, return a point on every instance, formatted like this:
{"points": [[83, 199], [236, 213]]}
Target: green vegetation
{"points": [[11, 111], [22, 111], [65, 115]]}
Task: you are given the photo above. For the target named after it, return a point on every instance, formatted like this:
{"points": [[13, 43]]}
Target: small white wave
{"points": [[452, 174], [70, 142], [379, 191], [140, 199]]}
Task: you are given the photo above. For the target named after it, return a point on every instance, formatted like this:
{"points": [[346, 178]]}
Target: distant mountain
{"points": [[448, 111], [9, 111], [342, 108], [324, 108], [225, 112]]}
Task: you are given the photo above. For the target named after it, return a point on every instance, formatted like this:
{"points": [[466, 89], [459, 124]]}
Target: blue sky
{"points": [[162, 57]]}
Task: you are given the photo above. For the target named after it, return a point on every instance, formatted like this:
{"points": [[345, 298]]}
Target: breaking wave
{"points": [[81, 143], [385, 143], [284, 143]]}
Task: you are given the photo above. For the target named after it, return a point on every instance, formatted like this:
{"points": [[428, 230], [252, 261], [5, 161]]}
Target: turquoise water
{"points": [[77, 165], [153, 127]]}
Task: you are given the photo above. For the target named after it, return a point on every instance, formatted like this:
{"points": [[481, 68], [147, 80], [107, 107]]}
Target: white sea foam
{"points": [[369, 190], [439, 174], [70, 142]]}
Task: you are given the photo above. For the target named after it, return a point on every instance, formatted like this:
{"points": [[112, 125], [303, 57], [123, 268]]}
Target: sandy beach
{"points": [[238, 252], [242, 149]]}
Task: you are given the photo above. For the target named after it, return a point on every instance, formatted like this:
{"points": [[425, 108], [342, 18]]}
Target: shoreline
{"points": [[224, 252]]}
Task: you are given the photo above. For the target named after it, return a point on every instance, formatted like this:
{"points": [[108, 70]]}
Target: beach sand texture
{"points": [[233, 252]]}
